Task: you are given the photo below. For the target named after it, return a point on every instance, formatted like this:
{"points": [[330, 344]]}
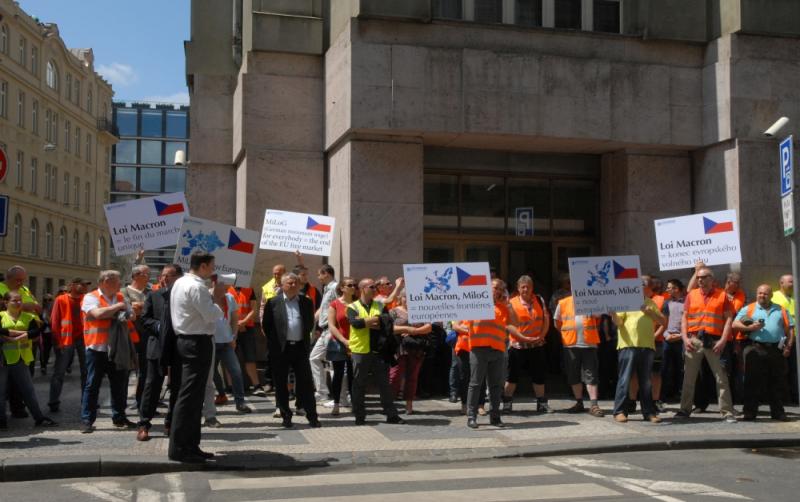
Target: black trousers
{"points": [[764, 376], [194, 353], [294, 356], [151, 391], [141, 377]]}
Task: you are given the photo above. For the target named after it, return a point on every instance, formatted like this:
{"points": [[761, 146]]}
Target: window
{"points": [[34, 237], [20, 173], [149, 179], [75, 253], [48, 241], [174, 180], [176, 124], [21, 109], [448, 9], [150, 152], [65, 200], [101, 252], [86, 250], [77, 141], [62, 244], [568, 14], [4, 99], [35, 117], [68, 87], [170, 148], [124, 179], [54, 126], [78, 99], [23, 51], [4, 39], [47, 115], [489, 11], [47, 181], [54, 182], [18, 234], [89, 101], [529, 13], [67, 135], [151, 123], [35, 61], [88, 148], [87, 196], [125, 152], [606, 16], [34, 174], [76, 192], [51, 76]]}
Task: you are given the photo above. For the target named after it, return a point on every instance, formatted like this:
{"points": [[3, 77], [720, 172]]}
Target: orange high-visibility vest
{"points": [[95, 331], [63, 332], [530, 322], [659, 301], [738, 303], [462, 342], [569, 334], [751, 309], [706, 313], [243, 302], [492, 332]]}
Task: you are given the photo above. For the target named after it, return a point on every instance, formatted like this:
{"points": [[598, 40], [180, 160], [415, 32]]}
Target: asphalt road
{"points": [[701, 475]]}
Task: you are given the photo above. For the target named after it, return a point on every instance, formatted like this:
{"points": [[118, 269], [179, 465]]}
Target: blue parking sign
{"points": [[787, 178], [3, 215]]}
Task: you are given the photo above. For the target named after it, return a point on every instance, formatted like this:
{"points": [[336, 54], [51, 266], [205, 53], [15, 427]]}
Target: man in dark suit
{"points": [[159, 340], [288, 322]]}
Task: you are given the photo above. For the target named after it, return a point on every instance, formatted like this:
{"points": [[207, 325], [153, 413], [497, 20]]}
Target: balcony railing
{"points": [[106, 125]]}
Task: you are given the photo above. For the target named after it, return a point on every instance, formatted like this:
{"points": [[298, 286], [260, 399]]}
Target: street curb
{"points": [[26, 469]]}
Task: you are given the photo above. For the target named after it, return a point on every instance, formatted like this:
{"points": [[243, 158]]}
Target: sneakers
{"points": [[453, 398], [730, 419], [595, 411], [395, 419], [335, 410], [300, 412], [576, 408], [329, 404], [243, 408], [497, 422], [124, 424], [212, 422], [620, 418], [318, 396], [46, 422], [680, 415], [221, 399], [472, 423], [660, 406], [87, 428], [277, 414], [259, 391], [543, 407], [507, 406]]}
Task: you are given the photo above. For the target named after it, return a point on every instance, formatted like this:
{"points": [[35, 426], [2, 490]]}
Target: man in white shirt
{"points": [[194, 316]]}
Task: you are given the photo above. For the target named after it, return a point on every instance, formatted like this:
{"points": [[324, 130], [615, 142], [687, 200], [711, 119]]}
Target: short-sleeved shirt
{"points": [[673, 310], [772, 332], [341, 317], [223, 333], [92, 302], [638, 329]]}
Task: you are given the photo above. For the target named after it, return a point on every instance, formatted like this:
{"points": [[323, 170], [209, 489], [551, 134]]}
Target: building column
{"points": [[376, 196]]}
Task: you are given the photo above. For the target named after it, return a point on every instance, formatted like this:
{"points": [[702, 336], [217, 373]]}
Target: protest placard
{"points": [[604, 283], [234, 248], [710, 237], [147, 223], [448, 292], [288, 231]]}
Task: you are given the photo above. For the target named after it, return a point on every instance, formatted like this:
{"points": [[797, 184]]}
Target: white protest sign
{"points": [[448, 292], [148, 223], [288, 231], [234, 248], [710, 237], [604, 283]]}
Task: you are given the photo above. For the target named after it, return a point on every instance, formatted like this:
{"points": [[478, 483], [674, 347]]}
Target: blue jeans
{"points": [[22, 379], [227, 357], [640, 360], [454, 376], [98, 366], [63, 358]]}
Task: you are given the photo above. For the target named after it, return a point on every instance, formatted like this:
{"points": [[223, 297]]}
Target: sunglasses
{"points": [[371, 286], [703, 276], [349, 285]]}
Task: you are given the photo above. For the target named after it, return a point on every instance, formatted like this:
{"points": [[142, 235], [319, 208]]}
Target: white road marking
{"points": [[147, 495], [499, 494], [379, 477], [176, 493], [617, 481], [110, 491], [686, 488]]}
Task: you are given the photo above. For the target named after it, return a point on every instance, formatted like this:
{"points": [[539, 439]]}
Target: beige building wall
{"points": [[55, 127]]}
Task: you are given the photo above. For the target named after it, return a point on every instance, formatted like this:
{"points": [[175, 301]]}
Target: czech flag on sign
{"points": [[621, 272], [713, 227], [235, 243], [163, 209], [319, 227], [466, 279]]}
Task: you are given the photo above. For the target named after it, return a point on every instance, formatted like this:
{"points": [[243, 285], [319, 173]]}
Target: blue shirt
{"points": [[294, 324], [773, 331]]}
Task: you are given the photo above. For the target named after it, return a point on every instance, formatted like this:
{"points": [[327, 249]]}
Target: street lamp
{"points": [[770, 133]]}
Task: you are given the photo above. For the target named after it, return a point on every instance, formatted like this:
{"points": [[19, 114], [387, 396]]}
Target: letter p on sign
{"points": [[787, 178]]}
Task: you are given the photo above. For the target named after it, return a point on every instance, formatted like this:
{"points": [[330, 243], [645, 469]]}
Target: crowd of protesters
{"points": [[196, 336]]}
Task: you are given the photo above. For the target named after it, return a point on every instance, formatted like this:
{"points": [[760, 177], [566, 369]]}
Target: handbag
{"points": [[336, 350]]}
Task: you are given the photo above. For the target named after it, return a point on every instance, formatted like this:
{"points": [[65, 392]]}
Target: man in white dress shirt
{"points": [[194, 315]]}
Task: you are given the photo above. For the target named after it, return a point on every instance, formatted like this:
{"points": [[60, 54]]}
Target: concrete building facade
{"points": [[423, 125], [55, 128]]}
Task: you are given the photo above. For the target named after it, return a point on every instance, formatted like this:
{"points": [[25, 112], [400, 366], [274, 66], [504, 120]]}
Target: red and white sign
{"points": [[3, 165]]}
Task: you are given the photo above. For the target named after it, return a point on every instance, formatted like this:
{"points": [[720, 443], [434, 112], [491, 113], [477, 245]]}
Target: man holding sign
{"points": [[705, 329]]}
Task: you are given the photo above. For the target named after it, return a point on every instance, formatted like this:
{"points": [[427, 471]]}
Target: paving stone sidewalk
{"points": [[436, 431]]}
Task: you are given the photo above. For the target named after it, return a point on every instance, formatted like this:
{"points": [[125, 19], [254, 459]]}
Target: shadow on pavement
{"points": [[35, 442], [260, 459]]}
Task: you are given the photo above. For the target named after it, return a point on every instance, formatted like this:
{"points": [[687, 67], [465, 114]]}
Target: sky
{"points": [[138, 45]]}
